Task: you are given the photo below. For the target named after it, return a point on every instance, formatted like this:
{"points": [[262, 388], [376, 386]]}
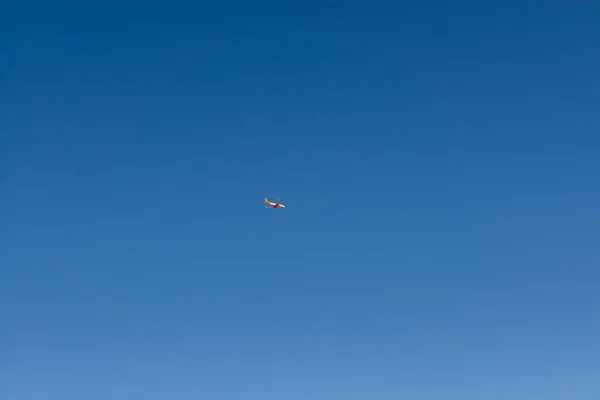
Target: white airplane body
{"points": [[273, 205]]}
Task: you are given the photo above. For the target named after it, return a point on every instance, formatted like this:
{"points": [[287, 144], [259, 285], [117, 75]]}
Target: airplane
{"points": [[273, 205]]}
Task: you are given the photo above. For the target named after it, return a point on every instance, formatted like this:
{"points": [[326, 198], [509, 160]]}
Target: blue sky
{"points": [[439, 165]]}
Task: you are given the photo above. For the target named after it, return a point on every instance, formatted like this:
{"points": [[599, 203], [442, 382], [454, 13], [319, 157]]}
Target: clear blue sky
{"points": [[440, 166]]}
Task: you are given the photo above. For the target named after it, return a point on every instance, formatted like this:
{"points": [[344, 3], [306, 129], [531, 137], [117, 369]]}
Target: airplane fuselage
{"points": [[274, 205]]}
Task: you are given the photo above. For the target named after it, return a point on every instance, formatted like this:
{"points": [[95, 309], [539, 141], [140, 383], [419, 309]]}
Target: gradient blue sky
{"points": [[440, 166]]}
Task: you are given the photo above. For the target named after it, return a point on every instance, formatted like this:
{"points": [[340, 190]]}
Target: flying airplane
{"points": [[273, 205]]}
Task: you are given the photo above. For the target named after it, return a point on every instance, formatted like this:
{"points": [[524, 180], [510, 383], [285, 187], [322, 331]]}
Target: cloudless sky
{"points": [[440, 165]]}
